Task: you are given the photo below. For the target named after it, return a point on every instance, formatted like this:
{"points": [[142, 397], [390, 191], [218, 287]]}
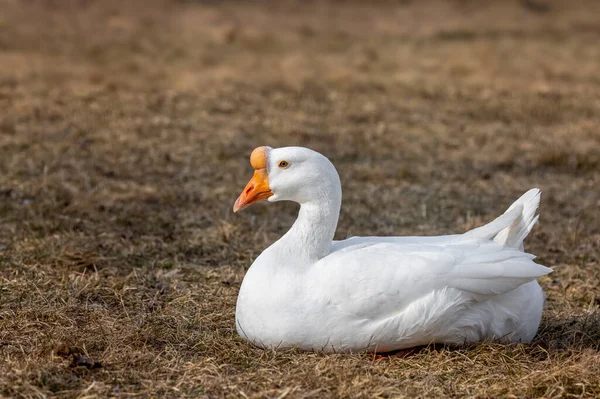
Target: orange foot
{"points": [[404, 353]]}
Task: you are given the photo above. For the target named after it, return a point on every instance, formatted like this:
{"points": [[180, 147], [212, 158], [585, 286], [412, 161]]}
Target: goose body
{"points": [[380, 293]]}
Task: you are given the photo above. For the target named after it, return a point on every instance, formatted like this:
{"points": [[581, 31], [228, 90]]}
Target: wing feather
{"points": [[384, 277]]}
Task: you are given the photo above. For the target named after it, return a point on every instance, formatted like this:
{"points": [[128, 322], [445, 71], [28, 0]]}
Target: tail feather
{"points": [[514, 235], [511, 228]]}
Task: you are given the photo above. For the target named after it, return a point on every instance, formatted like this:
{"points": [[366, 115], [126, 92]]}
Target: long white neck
{"points": [[309, 239]]}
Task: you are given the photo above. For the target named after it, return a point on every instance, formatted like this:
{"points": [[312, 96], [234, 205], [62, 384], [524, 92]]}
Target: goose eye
{"points": [[284, 164]]}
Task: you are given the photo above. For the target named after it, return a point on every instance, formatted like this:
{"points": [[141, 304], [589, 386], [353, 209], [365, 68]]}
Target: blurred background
{"points": [[125, 132]]}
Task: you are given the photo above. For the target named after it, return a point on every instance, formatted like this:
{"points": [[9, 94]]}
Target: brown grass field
{"points": [[125, 131]]}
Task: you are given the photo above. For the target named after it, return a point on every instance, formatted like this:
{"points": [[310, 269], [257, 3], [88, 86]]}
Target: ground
{"points": [[125, 132]]}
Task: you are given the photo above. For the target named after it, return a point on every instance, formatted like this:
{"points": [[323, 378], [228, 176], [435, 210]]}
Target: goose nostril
{"points": [[249, 189]]}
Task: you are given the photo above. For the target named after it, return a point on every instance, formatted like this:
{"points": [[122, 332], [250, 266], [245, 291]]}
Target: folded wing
{"points": [[382, 278]]}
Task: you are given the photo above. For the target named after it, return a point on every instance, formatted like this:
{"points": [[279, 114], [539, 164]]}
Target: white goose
{"points": [[380, 294]]}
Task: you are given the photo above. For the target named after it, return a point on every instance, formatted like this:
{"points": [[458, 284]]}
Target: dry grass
{"points": [[124, 137]]}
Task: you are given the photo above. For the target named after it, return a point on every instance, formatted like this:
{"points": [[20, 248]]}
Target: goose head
{"points": [[289, 174]]}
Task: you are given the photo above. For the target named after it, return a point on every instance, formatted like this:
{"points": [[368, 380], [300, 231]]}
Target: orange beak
{"points": [[256, 190]]}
